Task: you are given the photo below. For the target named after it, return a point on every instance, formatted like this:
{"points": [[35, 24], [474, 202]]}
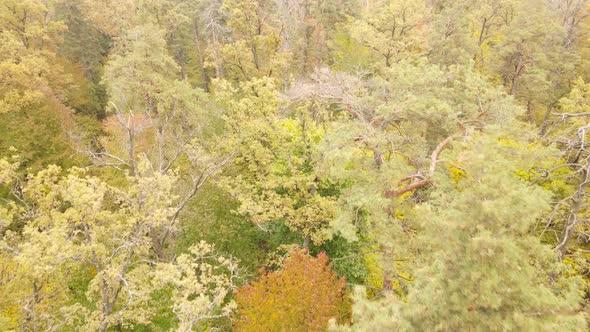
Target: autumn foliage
{"points": [[302, 296]]}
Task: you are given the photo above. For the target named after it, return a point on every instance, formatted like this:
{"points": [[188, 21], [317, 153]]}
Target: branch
{"points": [[199, 181], [390, 193], [571, 115]]}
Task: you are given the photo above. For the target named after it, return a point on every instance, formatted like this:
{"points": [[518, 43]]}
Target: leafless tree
{"points": [[569, 216]]}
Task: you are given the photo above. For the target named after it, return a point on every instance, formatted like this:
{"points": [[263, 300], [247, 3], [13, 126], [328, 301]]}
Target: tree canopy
{"points": [[294, 165]]}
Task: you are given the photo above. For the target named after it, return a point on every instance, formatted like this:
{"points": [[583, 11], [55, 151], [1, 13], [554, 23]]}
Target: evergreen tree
{"points": [[482, 270]]}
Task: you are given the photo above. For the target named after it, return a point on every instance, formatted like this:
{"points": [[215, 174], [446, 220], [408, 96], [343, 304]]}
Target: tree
{"points": [[568, 130], [531, 58], [111, 17], [31, 285], [392, 30], [302, 296], [274, 177], [434, 149], [114, 18], [371, 314], [478, 266], [157, 118], [144, 92], [77, 221], [83, 46], [200, 281], [28, 68], [528, 50], [385, 143], [464, 30], [210, 32], [255, 49], [530, 39], [485, 270], [309, 26], [389, 134], [572, 14]]}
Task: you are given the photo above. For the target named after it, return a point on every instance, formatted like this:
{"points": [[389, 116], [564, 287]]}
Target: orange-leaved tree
{"points": [[302, 296]]}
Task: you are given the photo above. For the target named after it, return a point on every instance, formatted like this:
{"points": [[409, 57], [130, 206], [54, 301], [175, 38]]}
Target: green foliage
{"points": [[347, 259], [504, 279], [370, 314], [38, 134], [348, 55], [274, 177], [209, 217]]}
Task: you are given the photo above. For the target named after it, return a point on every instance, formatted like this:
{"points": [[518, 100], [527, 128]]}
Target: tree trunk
{"points": [[572, 218], [545, 123], [378, 157], [158, 243], [204, 76], [517, 70], [106, 307], [180, 60], [160, 139], [131, 151], [306, 242], [31, 317]]}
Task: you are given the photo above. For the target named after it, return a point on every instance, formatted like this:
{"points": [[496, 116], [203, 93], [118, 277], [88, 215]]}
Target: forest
{"points": [[294, 165]]}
